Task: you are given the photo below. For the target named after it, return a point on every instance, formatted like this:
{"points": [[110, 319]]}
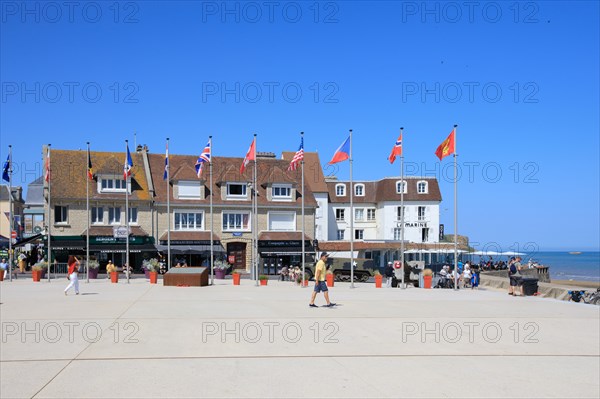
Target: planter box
{"points": [[36, 275], [236, 278], [263, 282], [114, 277], [378, 281], [330, 278], [220, 274], [153, 277], [427, 282]]}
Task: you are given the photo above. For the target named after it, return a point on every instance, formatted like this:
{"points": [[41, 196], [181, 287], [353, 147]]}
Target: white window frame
{"points": [[362, 191], [340, 190], [113, 183], [341, 234], [237, 196], [114, 213], [188, 212], [371, 214], [95, 215], [359, 232], [133, 210], [425, 187], [189, 185], [362, 214], [397, 233], [292, 228], [242, 213], [422, 217], [403, 184], [66, 214], [399, 211], [279, 187], [343, 211]]}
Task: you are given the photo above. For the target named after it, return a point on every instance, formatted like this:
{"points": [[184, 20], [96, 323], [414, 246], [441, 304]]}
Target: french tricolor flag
{"points": [[342, 153]]}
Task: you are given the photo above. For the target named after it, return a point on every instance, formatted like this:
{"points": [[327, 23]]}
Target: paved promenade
{"points": [[142, 340]]}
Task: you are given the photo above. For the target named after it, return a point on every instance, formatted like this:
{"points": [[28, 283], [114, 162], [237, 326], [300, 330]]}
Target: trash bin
{"points": [[530, 285], [394, 282]]}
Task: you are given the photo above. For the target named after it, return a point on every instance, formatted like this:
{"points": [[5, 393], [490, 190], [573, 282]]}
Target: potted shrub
{"points": [[306, 278], [378, 279], [37, 271], [93, 266], [220, 267], [329, 277], [427, 276], [151, 266], [263, 279], [236, 277]]}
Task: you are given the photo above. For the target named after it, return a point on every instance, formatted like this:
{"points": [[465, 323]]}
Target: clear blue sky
{"points": [[520, 80]]}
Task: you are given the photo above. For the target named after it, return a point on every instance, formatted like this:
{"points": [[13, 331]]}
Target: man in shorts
{"points": [[320, 285]]}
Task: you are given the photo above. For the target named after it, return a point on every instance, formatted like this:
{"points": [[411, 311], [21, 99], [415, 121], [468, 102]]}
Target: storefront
{"points": [[277, 250], [193, 248]]}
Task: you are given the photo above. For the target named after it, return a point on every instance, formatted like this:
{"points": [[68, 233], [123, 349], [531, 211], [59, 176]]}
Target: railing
{"points": [[63, 268]]}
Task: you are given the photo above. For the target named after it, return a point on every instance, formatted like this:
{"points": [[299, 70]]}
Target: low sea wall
{"points": [[541, 273]]}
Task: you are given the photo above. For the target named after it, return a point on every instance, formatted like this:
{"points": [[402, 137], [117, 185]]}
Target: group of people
{"points": [[290, 273], [467, 276]]}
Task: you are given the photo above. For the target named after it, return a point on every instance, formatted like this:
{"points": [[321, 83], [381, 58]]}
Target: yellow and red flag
{"points": [[446, 148]]}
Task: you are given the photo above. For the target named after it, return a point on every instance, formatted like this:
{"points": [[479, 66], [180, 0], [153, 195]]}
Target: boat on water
{"points": [[575, 253]]}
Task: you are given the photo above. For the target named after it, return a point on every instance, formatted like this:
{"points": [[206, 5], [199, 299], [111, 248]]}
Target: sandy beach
{"points": [[575, 283]]}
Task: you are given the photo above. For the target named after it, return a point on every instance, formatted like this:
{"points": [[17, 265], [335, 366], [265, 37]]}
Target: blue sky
{"points": [[520, 80]]}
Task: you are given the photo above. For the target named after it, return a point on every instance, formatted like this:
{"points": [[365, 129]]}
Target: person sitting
{"points": [[284, 273]]}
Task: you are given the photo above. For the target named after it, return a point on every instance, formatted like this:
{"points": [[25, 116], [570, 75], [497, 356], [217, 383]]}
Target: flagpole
{"points": [[87, 212], [168, 210], [402, 207], [255, 224], [455, 215], [127, 181], [351, 219], [210, 185], [302, 187], [49, 211], [10, 217]]}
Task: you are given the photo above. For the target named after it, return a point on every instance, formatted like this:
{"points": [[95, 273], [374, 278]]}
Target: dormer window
{"points": [[282, 192], [422, 187], [359, 190], [236, 190], [340, 190], [400, 187], [189, 189], [111, 185]]}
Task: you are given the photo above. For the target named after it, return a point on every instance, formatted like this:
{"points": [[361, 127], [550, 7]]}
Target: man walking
{"points": [[320, 285]]}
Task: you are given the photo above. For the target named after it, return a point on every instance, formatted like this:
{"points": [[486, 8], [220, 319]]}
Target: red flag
{"points": [[446, 148], [47, 177], [397, 150], [250, 156]]}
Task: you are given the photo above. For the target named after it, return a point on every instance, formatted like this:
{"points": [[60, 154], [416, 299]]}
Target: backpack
{"points": [[513, 269]]}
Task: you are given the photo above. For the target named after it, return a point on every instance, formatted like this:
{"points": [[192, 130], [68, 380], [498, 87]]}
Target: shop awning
{"points": [[190, 249], [121, 248]]}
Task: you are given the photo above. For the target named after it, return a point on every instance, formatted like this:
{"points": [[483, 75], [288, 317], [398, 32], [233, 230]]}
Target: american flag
{"points": [[397, 150], [298, 156], [202, 159]]}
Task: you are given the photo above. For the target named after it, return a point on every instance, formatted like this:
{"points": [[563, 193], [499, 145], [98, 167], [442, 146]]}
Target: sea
{"points": [[566, 266]]}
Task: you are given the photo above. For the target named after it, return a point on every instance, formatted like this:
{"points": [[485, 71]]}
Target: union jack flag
{"points": [[202, 159], [298, 156], [397, 150]]}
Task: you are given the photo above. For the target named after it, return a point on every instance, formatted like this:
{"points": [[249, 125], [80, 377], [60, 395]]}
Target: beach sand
{"points": [[575, 283]]}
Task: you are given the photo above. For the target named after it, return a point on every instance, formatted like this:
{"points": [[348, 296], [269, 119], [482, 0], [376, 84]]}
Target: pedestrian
{"points": [[514, 276], [73, 264], [320, 285], [110, 267], [3, 267], [389, 273]]}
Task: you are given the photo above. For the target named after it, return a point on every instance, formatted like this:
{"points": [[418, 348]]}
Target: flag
{"points": [[298, 156], [128, 165], [6, 169], [47, 177], [90, 170], [397, 150], [166, 163], [342, 153], [446, 148], [250, 156], [202, 159]]}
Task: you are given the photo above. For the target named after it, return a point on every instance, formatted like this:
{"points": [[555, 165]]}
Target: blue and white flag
{"points": [[166, 163], [6, 169]]}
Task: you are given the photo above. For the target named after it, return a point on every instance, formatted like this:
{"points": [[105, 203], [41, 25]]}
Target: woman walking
{"points": [[73, 264]]}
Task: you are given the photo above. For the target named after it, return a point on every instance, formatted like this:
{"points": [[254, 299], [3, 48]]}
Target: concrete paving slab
{"points": [[265, 338]]}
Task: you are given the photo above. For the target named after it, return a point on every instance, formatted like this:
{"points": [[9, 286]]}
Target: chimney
{"points": [[138, 148], [265, 155]]}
